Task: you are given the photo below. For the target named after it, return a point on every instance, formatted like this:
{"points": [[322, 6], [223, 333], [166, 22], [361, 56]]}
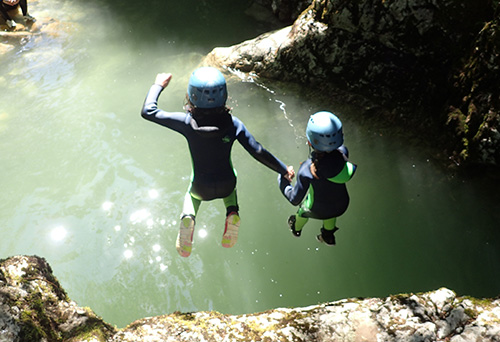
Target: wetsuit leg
{"points": [[303, 213], [231, 203], [300, 220], [329, 224], [191, 205]]}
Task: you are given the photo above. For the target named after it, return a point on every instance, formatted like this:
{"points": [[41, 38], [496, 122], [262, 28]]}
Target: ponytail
{"points": [[316, 157]]}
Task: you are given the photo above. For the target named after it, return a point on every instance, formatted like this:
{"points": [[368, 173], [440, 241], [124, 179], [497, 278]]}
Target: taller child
{"points": [[210, 131]]}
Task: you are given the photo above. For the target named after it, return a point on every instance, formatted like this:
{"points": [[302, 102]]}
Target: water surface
{"points": [[96, 190]]}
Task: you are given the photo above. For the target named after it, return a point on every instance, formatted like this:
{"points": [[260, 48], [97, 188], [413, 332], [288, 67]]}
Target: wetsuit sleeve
{"points": [[295, 194], [256, 150], [151, 112], [345, 175]]}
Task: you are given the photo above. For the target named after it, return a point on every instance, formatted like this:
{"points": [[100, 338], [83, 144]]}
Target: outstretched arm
{"points": [[294, 194], [249, 143], [150, 110]]}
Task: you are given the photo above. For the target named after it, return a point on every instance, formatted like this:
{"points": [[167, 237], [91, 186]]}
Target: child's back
{"points": [[320, 188]]}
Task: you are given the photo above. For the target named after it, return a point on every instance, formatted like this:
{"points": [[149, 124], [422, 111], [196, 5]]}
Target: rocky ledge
{"points": [[34, 307]]}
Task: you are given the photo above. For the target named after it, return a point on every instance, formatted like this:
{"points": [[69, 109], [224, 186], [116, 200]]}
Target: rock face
{"points": [[474, 108], [414, 58], [34, 307]]}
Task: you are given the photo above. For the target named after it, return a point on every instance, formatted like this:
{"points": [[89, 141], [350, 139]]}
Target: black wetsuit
{"points": [[327, 194], [4, 8], [210, 145]]}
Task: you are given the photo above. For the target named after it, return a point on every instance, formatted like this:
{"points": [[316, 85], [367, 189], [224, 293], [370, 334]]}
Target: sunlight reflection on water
{"points": [[58, 234]]}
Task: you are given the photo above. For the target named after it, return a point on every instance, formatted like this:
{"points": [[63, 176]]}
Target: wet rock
{"points": [[34, 307], [474, 109], [12, 39], [405, 56], [4, 48]]}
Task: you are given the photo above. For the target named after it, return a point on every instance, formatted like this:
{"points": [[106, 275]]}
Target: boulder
{"points": [[34, 306]]}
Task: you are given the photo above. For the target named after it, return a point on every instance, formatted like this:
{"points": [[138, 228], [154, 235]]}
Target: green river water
{"points": [[96, 190]]}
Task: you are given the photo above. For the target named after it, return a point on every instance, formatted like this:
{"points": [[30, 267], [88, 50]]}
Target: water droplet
{"points": [[156, 248], [128, 254], [202, 233]]}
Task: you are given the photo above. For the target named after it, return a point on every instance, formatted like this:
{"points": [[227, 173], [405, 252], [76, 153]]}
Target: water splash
{"points": [[251, 78]]}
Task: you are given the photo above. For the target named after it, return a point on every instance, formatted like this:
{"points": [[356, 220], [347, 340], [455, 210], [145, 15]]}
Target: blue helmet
{"points": [[207, 88], [324, 132]]}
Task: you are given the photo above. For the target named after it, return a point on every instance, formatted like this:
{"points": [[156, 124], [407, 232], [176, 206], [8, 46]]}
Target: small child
{"points": [[322, 178], [210, 130]]}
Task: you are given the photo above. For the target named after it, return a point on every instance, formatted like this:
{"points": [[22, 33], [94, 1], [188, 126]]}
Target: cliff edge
{"points": [[34, 307]]}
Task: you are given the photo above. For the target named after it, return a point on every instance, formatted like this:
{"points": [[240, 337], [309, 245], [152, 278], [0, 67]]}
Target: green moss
{"points": [[29, 330], [40, 269], [297, 320], [93, 329], [471, 313], [485, 303], [34, 321]]}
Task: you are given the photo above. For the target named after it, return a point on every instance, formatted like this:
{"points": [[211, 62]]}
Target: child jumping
{"points": [[322, 178], [210, 131]]}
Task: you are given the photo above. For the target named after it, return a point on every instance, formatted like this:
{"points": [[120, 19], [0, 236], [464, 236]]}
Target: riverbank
{"points": [[34, 307]]}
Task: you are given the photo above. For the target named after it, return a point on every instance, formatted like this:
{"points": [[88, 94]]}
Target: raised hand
{"points": [[163, 79]]}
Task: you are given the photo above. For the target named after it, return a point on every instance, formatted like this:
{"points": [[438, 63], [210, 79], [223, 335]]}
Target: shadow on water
{"points": [[97, 190]]}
